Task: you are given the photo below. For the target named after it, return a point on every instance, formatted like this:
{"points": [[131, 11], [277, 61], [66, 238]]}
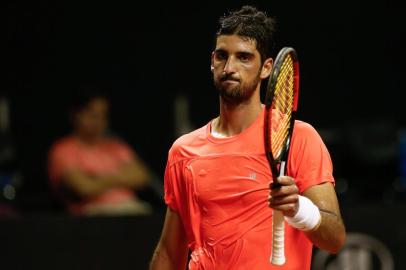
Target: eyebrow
{"points": [[219, 51], [245, 53]]}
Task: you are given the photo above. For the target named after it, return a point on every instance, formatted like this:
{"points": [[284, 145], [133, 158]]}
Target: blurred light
{"points": [[9, 192], [360, 252]]}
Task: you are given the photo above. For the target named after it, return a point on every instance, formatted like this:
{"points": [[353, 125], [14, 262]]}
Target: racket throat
{"points": [[282, 168], [276, 173]]}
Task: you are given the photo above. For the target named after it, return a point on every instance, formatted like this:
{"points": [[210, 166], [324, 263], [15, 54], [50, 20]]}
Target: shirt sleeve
{"points": [[170, 187], [60, 160], [309, 160], [175, 187]]}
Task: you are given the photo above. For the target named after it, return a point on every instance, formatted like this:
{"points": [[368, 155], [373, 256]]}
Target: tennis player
{"points": [[217, 179]]}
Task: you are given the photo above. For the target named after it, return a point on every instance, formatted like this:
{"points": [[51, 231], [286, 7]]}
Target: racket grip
{"points": [[278, 239]]}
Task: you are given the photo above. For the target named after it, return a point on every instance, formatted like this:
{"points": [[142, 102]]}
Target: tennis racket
{"points": [[280, 107]]}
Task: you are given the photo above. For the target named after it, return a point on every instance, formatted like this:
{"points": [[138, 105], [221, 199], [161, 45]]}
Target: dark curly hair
{"points": [[253, 24]]}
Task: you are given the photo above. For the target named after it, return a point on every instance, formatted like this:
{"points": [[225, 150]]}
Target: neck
{"points": [[87, 140], [234, 118]]}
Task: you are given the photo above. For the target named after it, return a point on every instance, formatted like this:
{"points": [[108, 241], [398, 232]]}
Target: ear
{"points": [[266, 68], [211, 64]]}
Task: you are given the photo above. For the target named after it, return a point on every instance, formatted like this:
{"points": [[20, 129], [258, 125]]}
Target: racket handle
{"points": [[278, 232], [278, 239]]}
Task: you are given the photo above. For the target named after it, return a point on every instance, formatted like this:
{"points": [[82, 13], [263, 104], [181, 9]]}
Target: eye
{"points": [[244, 57], [220, 55]]}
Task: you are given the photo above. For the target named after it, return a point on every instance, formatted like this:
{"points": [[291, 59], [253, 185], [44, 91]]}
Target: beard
{"points": [[237, 93]]}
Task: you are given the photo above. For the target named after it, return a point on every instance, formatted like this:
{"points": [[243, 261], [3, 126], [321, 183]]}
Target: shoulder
{"points": [[117, 147], [306, 138], [304, 130], [303, 127], [185, 145], [115, 142], [63, 151], [63, 145], [305, 135], [191, 138]]}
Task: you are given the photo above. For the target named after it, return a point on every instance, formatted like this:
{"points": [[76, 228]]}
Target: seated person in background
{"points": [[92, 173]]}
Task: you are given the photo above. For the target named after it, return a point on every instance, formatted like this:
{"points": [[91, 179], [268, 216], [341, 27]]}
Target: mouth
{"points": [[230, 83], [229, 80]]}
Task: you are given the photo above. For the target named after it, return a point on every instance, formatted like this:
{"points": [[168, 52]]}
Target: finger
{"points": [[277, 201], [285, 180], [284, 191], [287, 209], [282, 181]]}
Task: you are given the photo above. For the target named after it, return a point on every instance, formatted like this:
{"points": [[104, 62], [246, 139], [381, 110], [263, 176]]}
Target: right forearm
{"points": [[172, 249], [131, 176], [96, 186], [84, 185], [102, 183]]}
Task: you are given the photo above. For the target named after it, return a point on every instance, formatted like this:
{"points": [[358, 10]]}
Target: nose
{"points": [[230, 66]]}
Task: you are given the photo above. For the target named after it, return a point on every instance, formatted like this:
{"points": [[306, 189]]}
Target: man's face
{"points": [[92, 120], [236, 66]]}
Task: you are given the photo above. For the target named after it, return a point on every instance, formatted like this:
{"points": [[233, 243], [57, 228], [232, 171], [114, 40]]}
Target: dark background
{"points": [[147, 53]]}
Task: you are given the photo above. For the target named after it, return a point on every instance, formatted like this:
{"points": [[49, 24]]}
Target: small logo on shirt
{"points": [[202, 172], [252, 176]]}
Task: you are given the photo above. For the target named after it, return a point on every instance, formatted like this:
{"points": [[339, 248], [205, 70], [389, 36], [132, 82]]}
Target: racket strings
{"points": [[282, 107], [284, 87], [279, 137]]}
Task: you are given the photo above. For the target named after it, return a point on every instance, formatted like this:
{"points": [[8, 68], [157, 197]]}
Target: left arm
{"points": [[330, 233], [133, 174]]}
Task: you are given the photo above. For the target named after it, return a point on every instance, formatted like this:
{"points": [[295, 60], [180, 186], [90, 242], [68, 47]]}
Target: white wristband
{"points": [[307, 217]]}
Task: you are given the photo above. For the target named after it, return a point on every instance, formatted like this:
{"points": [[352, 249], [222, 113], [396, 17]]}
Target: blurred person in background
{"points": [[91, 172]]}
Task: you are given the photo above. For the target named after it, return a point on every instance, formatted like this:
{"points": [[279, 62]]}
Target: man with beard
{"points": [[217, 179]]}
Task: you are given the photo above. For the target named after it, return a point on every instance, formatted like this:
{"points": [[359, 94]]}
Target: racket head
{"points": [[281, 102]]}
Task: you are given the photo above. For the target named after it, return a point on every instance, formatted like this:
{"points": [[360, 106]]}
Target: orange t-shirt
{"points": [[104, 157], [219, 187]]}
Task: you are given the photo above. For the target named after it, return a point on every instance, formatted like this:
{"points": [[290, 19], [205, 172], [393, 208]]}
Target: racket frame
{"points": [[270, 90], [277, 255]]}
